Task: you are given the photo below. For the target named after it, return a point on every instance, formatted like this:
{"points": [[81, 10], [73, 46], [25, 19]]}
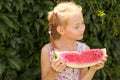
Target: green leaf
{"points": [[37, 26], [29, 1], [7, 21], [2, 68], [1, 4], [8, 5], [14, 63], [2, 30], [20, 6]]}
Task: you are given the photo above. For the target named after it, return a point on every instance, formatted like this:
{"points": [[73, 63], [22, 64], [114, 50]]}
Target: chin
{"points": [[80, 38]]}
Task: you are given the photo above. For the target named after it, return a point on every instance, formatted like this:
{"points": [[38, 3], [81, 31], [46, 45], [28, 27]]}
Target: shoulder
{"points": [[45, 60], [81, 44], [45, 49]]}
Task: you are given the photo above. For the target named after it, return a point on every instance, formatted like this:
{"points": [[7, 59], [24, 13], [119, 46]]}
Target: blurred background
{"points": [[24, 30]]}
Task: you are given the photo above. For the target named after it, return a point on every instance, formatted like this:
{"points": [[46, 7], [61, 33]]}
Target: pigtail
{"points": [[52, 23], [52, 39]]}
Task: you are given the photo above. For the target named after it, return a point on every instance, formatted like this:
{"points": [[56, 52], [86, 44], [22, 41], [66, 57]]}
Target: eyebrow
{"points": [[79, 23]]}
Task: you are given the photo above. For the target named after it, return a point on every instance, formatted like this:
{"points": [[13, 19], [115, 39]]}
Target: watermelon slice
{"points": [[86, 58]]}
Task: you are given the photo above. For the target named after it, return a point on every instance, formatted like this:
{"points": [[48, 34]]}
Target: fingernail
{"points": [[57, 59]]}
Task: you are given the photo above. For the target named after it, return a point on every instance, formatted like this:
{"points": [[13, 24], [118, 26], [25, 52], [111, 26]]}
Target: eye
{"points": [[77, 27], [82, 23]]}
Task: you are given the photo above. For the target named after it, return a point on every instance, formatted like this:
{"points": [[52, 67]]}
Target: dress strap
{"points": [[50, 47], [81, 46]]}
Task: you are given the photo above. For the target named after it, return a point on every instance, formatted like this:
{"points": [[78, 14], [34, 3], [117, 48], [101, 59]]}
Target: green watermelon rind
{"points": [[56, 55], [83, 66]]}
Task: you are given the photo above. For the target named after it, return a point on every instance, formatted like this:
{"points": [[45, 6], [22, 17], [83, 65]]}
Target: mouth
{"points": [[81, 34]]}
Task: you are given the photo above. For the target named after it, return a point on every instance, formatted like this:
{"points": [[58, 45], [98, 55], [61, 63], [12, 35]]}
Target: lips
{"points": [[81, 34]]}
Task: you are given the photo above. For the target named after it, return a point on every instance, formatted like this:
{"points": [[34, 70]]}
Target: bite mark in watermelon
{"points": [[86, 58]]}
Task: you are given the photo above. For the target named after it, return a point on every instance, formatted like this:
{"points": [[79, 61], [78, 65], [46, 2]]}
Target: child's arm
{"points": [[46, 72], [49, 70], [90, 73]]}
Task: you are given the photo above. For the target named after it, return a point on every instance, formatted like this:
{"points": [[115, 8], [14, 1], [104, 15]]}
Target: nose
{"points": [[82, 28]]}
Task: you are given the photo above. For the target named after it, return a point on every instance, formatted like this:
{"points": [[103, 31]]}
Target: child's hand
{"points": [[100, 64], [58, 65]]}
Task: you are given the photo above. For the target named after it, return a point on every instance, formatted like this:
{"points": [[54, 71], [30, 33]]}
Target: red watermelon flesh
{"points": [[86, 58]]}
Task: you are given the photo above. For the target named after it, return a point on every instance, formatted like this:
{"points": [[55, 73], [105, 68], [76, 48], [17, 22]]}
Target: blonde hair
{"points": [[59, 17]]}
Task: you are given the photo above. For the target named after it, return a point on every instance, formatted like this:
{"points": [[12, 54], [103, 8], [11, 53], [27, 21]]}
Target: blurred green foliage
{"points": [[23, 31]]}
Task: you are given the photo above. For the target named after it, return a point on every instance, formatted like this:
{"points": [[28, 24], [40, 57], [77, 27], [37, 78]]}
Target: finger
{"points": [[104, 60], [55, 61], [100, 64], [61, 67], [53, 64], [58, 63], [106, 56]]}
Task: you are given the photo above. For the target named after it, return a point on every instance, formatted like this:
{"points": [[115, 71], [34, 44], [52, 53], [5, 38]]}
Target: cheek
{"points": [[70, 32], [82, 29]]}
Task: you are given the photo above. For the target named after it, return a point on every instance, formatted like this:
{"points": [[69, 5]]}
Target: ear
{"points": [[60, 30]]}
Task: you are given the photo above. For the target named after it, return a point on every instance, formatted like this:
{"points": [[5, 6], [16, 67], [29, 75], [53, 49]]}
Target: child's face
{"points": [[75, 28]]}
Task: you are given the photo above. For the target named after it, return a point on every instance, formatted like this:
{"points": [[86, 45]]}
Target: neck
{"points": [[66, 45]]}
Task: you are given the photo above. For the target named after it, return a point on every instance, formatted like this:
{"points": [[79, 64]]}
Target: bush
{"points": [[23, 31]]}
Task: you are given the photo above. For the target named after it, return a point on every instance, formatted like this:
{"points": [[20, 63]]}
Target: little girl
{"points": [[66, 26]]}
